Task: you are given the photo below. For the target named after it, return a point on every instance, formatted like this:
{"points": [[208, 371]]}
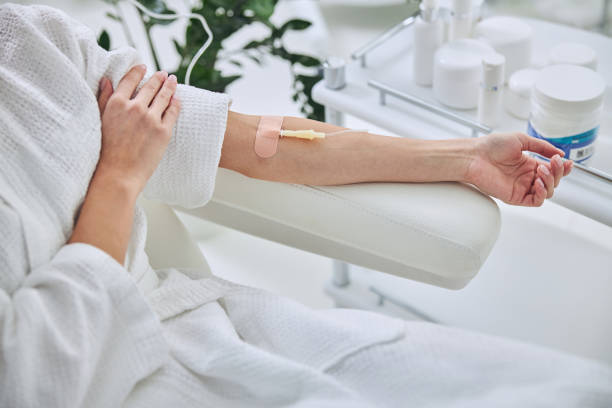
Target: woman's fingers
{"points": [[150, 89], [128, 84], [567, 167], [104, 94], [539, 146], [163, 97], [539, 193], [172, 113], [557, 168], [545, 174]]}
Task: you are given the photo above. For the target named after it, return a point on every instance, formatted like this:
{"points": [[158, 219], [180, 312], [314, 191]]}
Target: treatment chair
{"points": [[437, 233]]}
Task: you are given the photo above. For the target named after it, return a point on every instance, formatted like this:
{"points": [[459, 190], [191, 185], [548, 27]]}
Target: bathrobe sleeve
{"points": [[186, 174], [76, 328]]}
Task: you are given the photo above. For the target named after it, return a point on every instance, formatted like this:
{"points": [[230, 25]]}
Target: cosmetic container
{"points": [[518, 93], [334, 73], [458, 72], [567, 102], [491, 90], [510, 37], [461, 20], [428, 36], [574, 54]]}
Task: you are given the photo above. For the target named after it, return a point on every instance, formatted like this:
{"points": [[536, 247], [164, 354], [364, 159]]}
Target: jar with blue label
{"points": [[566, 108]]}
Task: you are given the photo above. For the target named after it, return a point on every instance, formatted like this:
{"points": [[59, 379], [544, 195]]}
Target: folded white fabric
{"points": [[74, 328]]}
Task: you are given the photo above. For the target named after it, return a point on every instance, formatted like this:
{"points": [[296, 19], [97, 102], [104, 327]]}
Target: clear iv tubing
{"points": [[175, 16], [339, 132]]}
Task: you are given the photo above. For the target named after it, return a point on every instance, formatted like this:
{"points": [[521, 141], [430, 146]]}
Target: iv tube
{"points": [[175, 16]]}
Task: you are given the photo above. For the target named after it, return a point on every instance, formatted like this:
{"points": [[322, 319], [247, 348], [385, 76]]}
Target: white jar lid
{"points": [[521, 82], [462, 6], [569, 89], [461, 60], [573, 53], [493, 70], [502, 31]]}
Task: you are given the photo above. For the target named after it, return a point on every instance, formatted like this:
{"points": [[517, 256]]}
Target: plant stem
{"points": [[147, 28]]}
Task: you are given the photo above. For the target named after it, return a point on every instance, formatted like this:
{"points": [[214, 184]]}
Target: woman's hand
{"points": [[136, 130], [502, 170]]}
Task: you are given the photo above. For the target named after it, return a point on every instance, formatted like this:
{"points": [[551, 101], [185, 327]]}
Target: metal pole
{"points": [[341, 276], [362, 52], [605, 17], [386, 90]]}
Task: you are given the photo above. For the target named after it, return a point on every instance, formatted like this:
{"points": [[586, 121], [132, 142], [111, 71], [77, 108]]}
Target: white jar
{"points": [[573, 53], [458, 72], [428, 34], [567, 102], [461, 20], [518, 95], [510, 37], [491, 89]]}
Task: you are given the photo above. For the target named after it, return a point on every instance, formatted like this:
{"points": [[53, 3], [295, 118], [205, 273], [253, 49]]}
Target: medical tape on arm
{"points": [[269, 131]]}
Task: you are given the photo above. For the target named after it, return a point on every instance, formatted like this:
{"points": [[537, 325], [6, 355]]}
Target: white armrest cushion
{"points": [[438, 233]]}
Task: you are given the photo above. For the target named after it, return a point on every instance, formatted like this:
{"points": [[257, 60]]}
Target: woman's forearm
{"points": [[105, 220], [344, 158]]}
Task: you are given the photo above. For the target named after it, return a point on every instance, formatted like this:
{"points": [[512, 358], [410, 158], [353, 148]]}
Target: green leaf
{"points": [[104, 40], [177, 46], [156, 6], [256, 44], [263, 9], [295, 24], [304, 60]]}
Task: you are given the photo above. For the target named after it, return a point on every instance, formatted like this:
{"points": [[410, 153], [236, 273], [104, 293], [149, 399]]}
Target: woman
{"points": [[85, 321]]}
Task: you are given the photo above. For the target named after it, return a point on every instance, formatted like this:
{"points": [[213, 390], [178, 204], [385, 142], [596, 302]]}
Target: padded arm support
{"points": [[439, 233]]}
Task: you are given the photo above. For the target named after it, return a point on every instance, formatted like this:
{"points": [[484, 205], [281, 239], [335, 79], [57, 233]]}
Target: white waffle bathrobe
{"points": [[78, 329]]}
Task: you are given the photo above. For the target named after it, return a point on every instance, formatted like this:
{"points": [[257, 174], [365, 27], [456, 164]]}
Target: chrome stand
{"points": [[362, 53], [387, 90]]}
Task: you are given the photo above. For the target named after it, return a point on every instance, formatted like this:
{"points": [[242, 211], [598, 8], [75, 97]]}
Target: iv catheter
{"points": [[310, 134], [269, 131]]}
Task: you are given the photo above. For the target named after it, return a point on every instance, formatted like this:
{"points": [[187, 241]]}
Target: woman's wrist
{"points": [[470, 152], [106, 217], [439, 160], [114, 184]]}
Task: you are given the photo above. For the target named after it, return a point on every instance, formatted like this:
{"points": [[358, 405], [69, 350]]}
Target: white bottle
{"points": [[491, 88], [428, 36], [461, 20]]}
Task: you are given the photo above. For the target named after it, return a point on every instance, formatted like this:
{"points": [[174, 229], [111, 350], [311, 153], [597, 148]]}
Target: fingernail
{"points": [[164, 74], [559, 161], [544, 170], [540, 182], [172, 77]]}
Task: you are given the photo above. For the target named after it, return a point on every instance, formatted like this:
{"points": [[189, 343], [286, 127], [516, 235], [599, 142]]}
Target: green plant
{"points": [[225, 17]]}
